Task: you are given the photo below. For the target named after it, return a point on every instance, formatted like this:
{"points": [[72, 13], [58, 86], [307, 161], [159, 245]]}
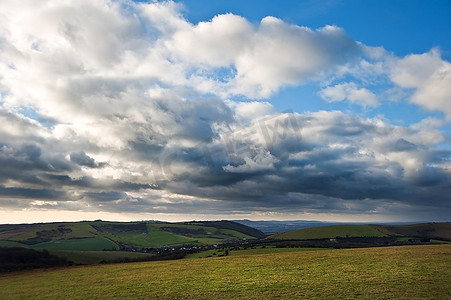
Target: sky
{"points": [[204, 110]]}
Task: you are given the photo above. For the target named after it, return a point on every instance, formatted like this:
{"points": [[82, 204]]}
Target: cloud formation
{"points": [[127, 107], [350, 92], [429, 76]]}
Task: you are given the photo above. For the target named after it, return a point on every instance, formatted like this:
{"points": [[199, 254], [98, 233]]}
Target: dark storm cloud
{"points": [[325, 165], [80, 158], [21, 160], [28, 193], [105, 196], [93, 183]]}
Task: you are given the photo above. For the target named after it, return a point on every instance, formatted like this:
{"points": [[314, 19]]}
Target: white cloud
{"points": [[351, 92], [259, 59], [216, 43], [430, 76], [246, 112], [413, 70], [435, 92], [283, 54]]}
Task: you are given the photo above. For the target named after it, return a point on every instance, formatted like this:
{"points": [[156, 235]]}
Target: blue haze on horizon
{"points": [[316, 110]]}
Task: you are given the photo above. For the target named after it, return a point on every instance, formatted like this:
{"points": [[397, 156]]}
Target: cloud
{"points": [[340, 158], [216, 43], [414, 69], [350, 92], [429, 76], [435, 93], [245, 112], [258, 60], [285, 54], [82, 159], [128, 107]]}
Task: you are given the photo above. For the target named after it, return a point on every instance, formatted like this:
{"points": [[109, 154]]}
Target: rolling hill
{"points": [[101, 235], [440, 231]]}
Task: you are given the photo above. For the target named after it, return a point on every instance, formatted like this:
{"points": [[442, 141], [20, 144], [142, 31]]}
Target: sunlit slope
{"points": [[424, 230], [100, 235]]}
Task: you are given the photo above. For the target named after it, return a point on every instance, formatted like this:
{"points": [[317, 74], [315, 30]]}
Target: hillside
{"points": [[441, 231], [236, 226], [100, 235], [408, 272], [424, 230]]}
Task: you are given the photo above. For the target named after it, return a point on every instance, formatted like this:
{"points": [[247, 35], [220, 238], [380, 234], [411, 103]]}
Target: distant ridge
{"points": [[441, 231], [232, 225], [272, 227]]}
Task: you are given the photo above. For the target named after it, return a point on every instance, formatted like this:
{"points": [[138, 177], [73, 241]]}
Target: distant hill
{"points": [[101, 235], [440, 231], [426, 230], [273, 227], [232, 225]]}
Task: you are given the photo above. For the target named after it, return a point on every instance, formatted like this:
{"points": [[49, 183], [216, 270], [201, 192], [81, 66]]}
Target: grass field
{"points": [[243, 252], [99, 235], [406, 272], [333, 232], [88, 244], [438, 231]]}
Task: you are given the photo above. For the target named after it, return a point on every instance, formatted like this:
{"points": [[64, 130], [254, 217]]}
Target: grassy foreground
{"points": [[407, 272]]}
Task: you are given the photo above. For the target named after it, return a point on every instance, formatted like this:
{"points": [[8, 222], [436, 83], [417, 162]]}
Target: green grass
{"points": [[209, 240], [332, 232], [30, 232], [88, 244], [440, 242], [236, 234], [10, 244], [427, 230], [95, 257], [99, 235], [433, 241], [270, 250], [405, 272], [258, 250], [203, 254], [158, 238], [135, 239], [79, 230]]}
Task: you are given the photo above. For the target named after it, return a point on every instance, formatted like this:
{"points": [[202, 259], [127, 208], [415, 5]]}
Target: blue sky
{"points": [[316, 110], [401, 27]]}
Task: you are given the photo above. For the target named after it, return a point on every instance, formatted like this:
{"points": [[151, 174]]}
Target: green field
{"points": [[250, 251], [333, 232], [99, 235], [440, 231], [79, 238], [86, 244], [405, 272]]}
